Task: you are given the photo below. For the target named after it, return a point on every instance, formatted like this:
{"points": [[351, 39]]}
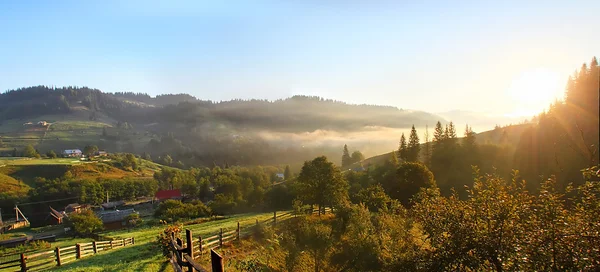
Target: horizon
{"points": [[496, 55]]}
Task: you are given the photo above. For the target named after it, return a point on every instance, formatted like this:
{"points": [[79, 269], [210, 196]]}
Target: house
{"points": [[115, 219], [280, 176], [42, 123], [72, 153], [74, 207], [55, 217], [168, 194], [101, 153], [112, 205]]}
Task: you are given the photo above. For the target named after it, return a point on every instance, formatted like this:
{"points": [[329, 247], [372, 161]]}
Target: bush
{"points": [[85, 223], [133, 219], [164, 238], [174, 210]]}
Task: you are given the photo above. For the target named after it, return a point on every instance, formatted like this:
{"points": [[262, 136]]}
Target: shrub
{"points": [[133, 219], [85, 223], [164, 238], [174, 210]]}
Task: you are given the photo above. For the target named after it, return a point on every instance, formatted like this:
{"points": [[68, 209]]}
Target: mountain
{"points": [[195, 131]]}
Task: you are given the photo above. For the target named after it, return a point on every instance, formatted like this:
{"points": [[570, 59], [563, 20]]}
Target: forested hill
{"points": [[295, 114], [196, 131]]}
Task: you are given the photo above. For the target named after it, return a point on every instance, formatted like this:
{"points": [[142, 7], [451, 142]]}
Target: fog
{"points": [[371, 140]]}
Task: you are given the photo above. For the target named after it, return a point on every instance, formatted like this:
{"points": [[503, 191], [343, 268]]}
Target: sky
{"points": [[492, 57]]}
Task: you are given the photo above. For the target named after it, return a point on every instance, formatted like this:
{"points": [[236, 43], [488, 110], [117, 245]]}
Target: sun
{"points": [[533, 90]]}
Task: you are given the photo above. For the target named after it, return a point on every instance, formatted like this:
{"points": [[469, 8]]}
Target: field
{"points": [[68, 131], [145, 255], [31, 161]]}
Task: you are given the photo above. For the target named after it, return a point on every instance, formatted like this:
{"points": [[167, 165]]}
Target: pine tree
{"points": [[414, 147], [438, 135], [451, 131], [287, 174], [427, 155], [402, 150], [469, 140], [346, 159], [393, 160]]}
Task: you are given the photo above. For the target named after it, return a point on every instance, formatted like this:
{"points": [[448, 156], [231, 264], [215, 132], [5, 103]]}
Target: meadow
{"points": [[145, 255]]}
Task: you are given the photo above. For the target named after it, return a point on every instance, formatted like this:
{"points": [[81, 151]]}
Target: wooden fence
{"points": [[59, 256], [183, 257]]}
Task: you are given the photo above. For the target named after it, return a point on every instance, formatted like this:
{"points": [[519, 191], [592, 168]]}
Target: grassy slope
{"points": [[144, 255], [14, 169], [67, 131]]}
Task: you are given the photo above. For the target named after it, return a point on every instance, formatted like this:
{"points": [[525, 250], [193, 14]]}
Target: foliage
{"points": [[30, 152], [321, 183], [174, 210], [89, 150], [51, 154], [165, 238], [133, 220], [409, 179], [85, 223]]}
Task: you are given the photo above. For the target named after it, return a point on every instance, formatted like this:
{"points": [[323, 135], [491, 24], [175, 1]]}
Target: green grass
{"points": [[31, 161], [145, 255]]}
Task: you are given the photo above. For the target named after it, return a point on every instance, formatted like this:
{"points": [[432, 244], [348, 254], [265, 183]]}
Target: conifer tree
{"points": [[287, 174], [469, 140], [427, 155], [402, 150], [346, 159], [414, 147], [438, 134]]}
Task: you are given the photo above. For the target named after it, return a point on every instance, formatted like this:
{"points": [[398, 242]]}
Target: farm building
{"points": [[112, 204], [101, 153], [72, 153], [74, 207], [167, 194], [115, 219], [55, 217]]}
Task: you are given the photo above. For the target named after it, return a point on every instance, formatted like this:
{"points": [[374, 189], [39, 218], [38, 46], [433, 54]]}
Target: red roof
{"points": [[168, 194]]}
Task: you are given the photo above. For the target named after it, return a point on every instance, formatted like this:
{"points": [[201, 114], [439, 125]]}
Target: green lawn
{"points": [[145, 255], [31, 161]]}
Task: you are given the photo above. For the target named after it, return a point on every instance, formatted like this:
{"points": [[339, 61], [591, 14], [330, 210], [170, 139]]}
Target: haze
{"points": [[509, 58]]}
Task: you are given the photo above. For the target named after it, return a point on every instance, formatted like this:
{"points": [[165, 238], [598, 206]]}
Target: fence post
{"points": [[95, 247], [177, 251], [200, 244], [23, 262], [57, 251], [111, 244], [257, 222], [133, 240], [221, 238], [274, 218], [190, 247], [238, 231], [216, 261], [123, 241], [78, 254]]}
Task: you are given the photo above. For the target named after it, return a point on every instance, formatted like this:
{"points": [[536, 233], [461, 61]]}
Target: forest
{"points": [[200, 132]]}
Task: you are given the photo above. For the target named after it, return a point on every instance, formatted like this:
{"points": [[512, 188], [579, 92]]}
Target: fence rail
{"points": [[183, 257], [37, 261]]}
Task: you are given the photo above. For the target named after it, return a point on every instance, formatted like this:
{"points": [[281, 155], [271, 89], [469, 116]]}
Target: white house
{"points": [[72, 153]]}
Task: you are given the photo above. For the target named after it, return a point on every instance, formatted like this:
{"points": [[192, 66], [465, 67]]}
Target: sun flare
{"points": [[533, 90]]}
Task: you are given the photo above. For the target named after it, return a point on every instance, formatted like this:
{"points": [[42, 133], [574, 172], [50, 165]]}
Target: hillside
{"points": [[194, 131], [508, 136]]}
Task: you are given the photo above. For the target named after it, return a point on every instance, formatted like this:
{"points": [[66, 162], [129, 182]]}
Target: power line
{"points": [[55, 200]]}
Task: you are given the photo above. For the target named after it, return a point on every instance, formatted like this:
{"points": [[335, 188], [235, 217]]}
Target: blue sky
{"points": [[427, 55]]}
